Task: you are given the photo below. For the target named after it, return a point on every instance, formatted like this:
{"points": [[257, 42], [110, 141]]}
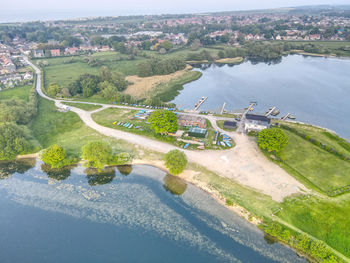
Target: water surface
{"points": [[127, 214], [316, 90]]}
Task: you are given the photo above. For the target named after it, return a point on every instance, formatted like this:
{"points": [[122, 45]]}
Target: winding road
{"points": [[244, 163]]}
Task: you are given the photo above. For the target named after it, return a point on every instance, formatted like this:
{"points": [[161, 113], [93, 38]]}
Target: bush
{"points": [[54, 156], [175, 161], [272, 140], [98, 154]]}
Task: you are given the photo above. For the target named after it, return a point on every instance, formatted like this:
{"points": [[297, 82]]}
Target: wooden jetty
{"points": [[200, 102]]}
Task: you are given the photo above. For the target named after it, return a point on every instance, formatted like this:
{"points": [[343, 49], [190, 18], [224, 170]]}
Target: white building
{"points": [[256, 122]]}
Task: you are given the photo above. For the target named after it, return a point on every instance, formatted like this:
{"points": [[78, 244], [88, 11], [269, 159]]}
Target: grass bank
{"points": [[21, 92], [66, 129]]}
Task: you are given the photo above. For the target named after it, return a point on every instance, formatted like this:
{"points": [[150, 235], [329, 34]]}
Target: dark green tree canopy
{"points": [[12, 141], [163, 121]]}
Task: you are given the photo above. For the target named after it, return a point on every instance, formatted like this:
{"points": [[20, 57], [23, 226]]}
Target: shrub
{"points": [[175, 161], [54, 156], [98, 154], [272, 140], [229, 202]]}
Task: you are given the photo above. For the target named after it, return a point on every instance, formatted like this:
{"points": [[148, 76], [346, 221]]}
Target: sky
{"points": [[24, 10]]}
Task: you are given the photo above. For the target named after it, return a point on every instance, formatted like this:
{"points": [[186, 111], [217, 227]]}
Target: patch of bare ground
{"points": [[142, 87]]}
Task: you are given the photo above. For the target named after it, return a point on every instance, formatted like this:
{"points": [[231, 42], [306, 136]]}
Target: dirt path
{"points": [[243, 163]]}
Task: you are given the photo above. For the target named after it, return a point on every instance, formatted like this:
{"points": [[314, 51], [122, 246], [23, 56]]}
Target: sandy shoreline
{"points": [[189, 177]]}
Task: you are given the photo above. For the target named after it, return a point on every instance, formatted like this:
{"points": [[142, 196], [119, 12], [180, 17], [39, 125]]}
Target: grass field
{"points": [[323, 169], [323, 136], [21, 92], [324, 218], [87, 107], [66, 129]]}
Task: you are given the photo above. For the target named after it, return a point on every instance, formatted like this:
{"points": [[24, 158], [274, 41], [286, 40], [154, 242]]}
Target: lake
{"points": [[127, 214], [315, 90]]}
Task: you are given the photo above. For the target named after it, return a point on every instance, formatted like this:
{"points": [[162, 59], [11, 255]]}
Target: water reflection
{"points": [[174, 184], [133, 212], [58, 174], [96, 177], [124, 169], [7, 168]]}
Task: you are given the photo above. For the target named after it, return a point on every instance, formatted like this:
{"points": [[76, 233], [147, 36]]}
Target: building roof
{"points": [[230, 123], [254, 117], [197, 130]]}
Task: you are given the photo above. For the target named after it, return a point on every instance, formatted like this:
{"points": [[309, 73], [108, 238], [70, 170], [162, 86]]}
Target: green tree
{"points": [[110, 92], [163, 121], [12, 141], [167, 45], [97, 154], [272, 140], [105, 74], [53, 89], [175, 161], [118, 79], [54, 156]]}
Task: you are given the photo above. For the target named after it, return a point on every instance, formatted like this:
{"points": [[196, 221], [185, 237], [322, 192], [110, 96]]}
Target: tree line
{"points": [[15, 136], [156, 66]]}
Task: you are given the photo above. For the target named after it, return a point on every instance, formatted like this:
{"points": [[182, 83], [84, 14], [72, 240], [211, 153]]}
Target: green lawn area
{"points": [[21, 92], [323, 136], [324, 218], [323, 169], [87, 107], [66, 129], [60, 72], [111, 115]]}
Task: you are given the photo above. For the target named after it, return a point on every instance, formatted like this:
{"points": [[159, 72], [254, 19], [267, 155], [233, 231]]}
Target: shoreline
{"points": [[188, 176]]}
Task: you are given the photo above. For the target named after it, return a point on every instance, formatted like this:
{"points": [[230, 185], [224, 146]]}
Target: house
{"points": [[255, 122], [55, 52], [231, 125], [71, 50], [39, 53], [28, 76], [191, 121]]}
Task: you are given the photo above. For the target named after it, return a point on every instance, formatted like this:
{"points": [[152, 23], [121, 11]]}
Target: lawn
{"points": [[324, 218], [21, 92], [83, 106], [323, 136], [66, 129], [323, 169], [64, 70]]}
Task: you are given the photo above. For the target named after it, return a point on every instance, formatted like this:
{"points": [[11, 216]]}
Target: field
{"points": [[21, 92], [323, 169], [144, 87], [324, 218], [66, 129], [87, 107]]}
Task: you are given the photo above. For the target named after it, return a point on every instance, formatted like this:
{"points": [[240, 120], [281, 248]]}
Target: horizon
{"points": [[30, 15]]}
